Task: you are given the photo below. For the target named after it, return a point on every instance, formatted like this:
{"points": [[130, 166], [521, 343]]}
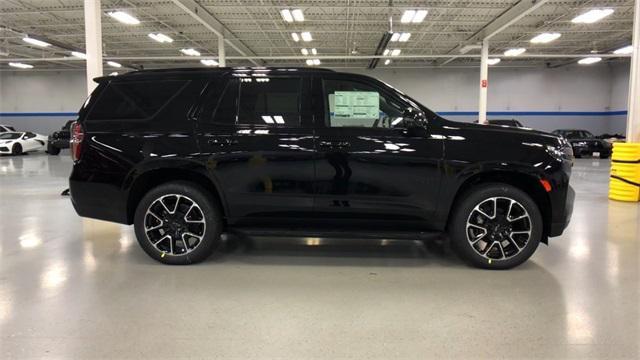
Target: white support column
{"points": [[484, 82], [222, 56], [93, 40], [633, 118]]}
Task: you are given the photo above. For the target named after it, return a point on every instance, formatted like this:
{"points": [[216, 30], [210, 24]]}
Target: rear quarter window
{"points": [[134, 100]]}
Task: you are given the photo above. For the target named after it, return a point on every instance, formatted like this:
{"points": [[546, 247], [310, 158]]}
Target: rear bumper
{"points": [[98, 200], [562, 220]]}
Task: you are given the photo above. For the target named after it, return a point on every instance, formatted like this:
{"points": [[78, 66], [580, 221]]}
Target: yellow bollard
{"points": [[624, 183]]}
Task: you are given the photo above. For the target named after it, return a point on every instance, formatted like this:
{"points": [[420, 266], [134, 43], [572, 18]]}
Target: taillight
{"points": [[77, 136]]}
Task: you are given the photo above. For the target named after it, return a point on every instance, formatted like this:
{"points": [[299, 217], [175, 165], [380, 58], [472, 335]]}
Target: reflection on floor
{"points": [[79, 288]]}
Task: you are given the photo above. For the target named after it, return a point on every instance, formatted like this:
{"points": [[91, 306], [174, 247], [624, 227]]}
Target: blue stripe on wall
{"points": [[37, 114], [442, 113]]}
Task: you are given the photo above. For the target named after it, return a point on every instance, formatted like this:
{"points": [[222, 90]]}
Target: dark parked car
{"points": [[585, 144], [189, 153], [505, 122], [59, 139]]}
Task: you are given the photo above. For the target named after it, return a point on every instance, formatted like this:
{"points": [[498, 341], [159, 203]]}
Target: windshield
{"points": [[576, 134], [10, 136]]}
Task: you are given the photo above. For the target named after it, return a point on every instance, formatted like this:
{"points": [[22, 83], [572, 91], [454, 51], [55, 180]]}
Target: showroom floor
{"points": [[78, 288]]}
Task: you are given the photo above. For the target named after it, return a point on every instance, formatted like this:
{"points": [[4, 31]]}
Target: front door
{"points": [[371, 168], [260, 148]]}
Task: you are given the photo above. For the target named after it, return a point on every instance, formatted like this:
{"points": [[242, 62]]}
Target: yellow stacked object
{"points": [[625, 172]]}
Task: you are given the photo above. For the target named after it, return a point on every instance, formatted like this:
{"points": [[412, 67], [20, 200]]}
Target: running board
{"points": [[340, 234]]}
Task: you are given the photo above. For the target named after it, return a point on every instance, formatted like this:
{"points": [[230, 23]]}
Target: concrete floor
{"points": [[79, 288]]}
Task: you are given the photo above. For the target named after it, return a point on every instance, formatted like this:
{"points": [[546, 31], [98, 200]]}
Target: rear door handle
{"points": [[335, 144], [222, 141]]}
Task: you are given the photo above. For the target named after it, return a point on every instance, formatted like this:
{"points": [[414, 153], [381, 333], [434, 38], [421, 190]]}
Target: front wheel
{"points": [[495, 226], [16, 149], [178, 223], [52, 150]]}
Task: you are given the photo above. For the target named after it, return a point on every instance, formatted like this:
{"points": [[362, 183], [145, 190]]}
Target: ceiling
{"points": [[339, 28]]}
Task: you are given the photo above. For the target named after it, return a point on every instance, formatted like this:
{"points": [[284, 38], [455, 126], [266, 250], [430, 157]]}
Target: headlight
{"points": [[563, 152]]}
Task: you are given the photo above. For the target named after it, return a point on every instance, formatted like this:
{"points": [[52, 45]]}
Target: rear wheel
{"points": [[495, 226], [16, 149], [178, 223]]}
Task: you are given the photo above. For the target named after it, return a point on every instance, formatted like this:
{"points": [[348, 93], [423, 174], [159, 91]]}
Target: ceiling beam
{"points": [[204, 17], [503, 21]]}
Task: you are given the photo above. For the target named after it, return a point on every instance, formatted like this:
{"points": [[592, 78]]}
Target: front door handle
{"points": [[335, 144]]}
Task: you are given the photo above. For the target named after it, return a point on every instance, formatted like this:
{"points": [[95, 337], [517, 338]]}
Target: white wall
{"points": [[40, 92], [598, 88]]}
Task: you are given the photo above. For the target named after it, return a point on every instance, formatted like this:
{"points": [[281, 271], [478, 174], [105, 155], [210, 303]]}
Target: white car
{"points": [[16, 143]]}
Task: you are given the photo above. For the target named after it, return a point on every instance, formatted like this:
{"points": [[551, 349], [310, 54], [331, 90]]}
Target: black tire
{"points": [[459, 231], [211, 215], [52, 150], [16, 149]]}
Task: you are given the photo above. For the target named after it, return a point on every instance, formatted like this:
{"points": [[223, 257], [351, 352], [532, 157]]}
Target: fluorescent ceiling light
{"points": [[123, 17], [306, 36], [20, 65], [292, 15], [624, 51], [79, 54], [515, 52], [286, 15], [465, 49], [387, 62], [405, 37], [395, 52], [297, 15], [592, 16], [190, 52], [493, 61], [304, 51], [589, 60], [413, 16], [295, 37], [314, 51], [114, 64], [545, 38], [316, 61], [267, 119], [35, 42], [386, 52], [402, 37], [309, 62], [279, 119], [209, 62], [161, 38]]}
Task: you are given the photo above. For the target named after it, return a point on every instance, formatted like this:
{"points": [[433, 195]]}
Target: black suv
{"points": [[185, 154], [59, 139], [585, 144]]}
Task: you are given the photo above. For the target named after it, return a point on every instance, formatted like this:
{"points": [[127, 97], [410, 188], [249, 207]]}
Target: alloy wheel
{"points": [[174, 224], [498, 228]]}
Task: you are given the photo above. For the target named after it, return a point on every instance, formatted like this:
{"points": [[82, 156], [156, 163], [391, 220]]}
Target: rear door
{"points": [[370, 166], [260, 146]]}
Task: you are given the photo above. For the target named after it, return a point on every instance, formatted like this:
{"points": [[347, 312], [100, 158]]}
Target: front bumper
{"points": [[562, 221]]}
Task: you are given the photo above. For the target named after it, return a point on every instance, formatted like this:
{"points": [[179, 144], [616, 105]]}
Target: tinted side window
{"points": [[134, 100], [354, 104], [227, 108], [270, 101]]}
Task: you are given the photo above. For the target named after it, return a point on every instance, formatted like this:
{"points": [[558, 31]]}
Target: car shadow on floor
{"points": [[336, 251]]}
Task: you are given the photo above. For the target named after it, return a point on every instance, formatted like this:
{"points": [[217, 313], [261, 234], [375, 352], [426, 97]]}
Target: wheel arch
{"points": [[151, 178], [528, 183]]}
